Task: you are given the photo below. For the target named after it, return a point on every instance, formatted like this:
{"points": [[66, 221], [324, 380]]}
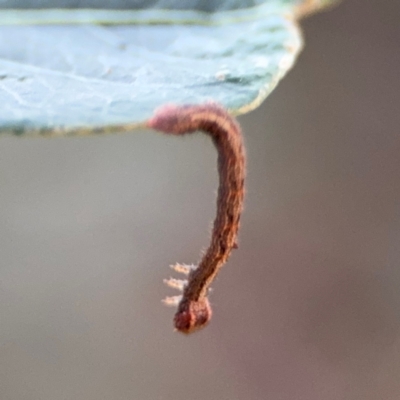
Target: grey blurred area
{"points": [[307, 308]]}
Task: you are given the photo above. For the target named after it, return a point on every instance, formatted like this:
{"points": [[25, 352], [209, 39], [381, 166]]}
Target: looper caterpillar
{"points": [[194, 310]]}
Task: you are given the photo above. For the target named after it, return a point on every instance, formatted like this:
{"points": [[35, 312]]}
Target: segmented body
{"points": [[194, 310]]}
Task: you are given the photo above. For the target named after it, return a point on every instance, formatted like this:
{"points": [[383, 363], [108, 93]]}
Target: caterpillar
{"points": [[193, 307]]}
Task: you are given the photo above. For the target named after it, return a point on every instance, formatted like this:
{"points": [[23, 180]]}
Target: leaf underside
{"points": [[106, 68]]}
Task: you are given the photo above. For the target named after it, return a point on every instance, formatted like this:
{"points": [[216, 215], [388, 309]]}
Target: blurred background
{"points": [[307, 308]]}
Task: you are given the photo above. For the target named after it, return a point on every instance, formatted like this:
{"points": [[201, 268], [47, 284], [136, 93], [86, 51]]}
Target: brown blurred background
{"points": [[307, 308]]}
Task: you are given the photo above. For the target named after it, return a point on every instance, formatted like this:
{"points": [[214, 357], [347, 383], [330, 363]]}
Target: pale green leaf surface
{"points": [[107, 65]]}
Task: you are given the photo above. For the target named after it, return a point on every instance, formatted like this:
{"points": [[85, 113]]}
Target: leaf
{"points": [[92, 70]]}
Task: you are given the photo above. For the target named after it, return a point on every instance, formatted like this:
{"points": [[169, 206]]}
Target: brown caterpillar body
{"points": [[194, 310]]}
